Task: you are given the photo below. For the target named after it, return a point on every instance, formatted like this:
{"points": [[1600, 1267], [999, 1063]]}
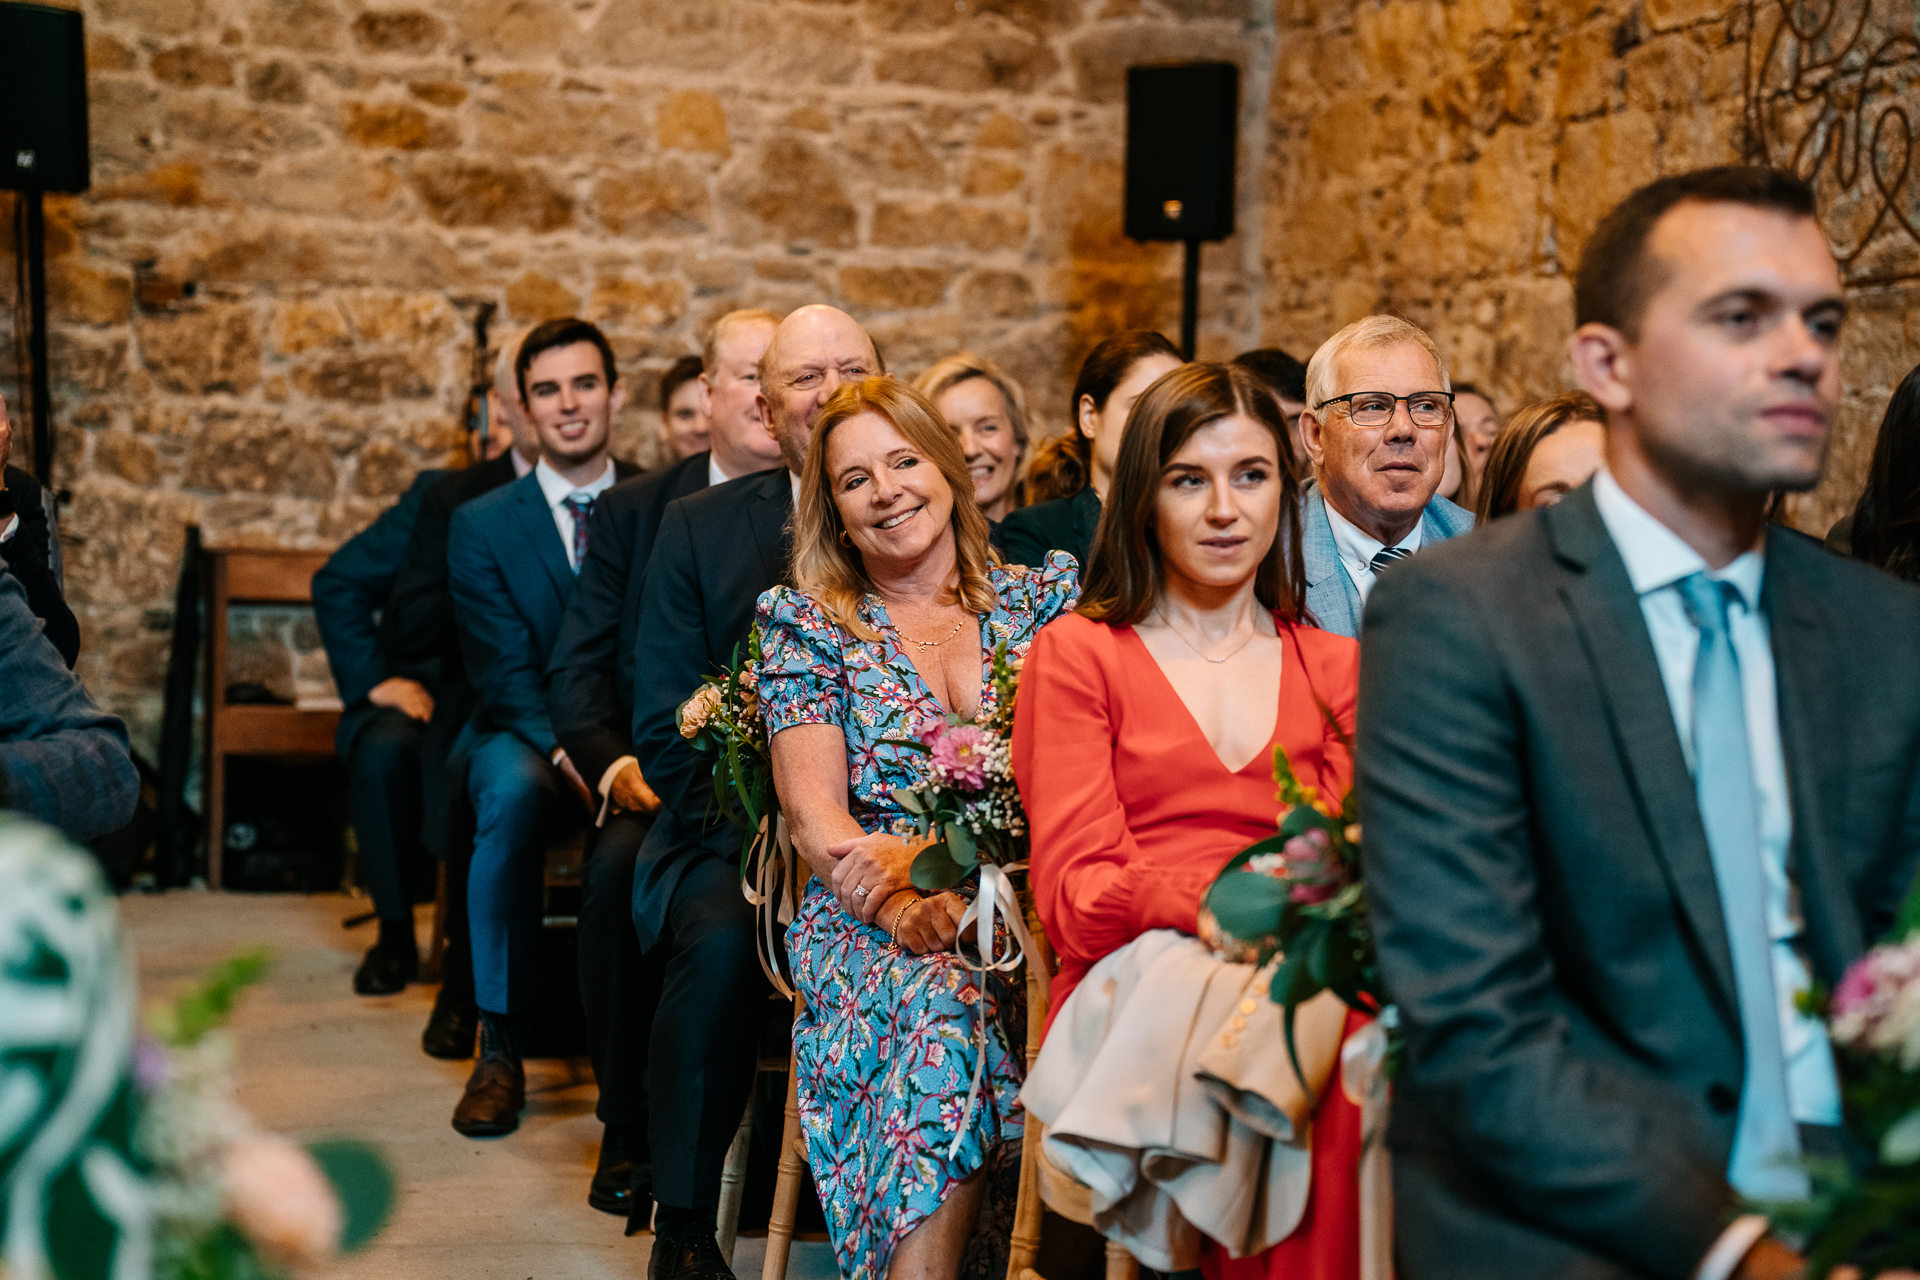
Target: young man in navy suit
{"points": [[512, 557]]}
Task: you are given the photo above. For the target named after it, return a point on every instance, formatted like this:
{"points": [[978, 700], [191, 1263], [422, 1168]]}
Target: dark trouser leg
{"points": [[383, 800], [516, 807], [617, 986], [701, 1061], [456, 962]]}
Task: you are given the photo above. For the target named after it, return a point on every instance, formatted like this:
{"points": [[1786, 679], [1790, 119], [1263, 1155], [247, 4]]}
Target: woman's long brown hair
{"points": [[1124, 578], [1063, 465]]}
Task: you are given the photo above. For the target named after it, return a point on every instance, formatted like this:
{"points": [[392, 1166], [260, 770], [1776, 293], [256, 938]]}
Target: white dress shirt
{"points": [[1657, 559], [557, 489], [1357, 549], [520, 464]]}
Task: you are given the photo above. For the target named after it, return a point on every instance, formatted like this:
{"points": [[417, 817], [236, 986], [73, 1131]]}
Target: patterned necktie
{"points": [[579, 506], [1765, 1164], [1386, 556]]}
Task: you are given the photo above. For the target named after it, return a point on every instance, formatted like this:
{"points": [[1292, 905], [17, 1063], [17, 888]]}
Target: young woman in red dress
{"points": [[1147, 721]]}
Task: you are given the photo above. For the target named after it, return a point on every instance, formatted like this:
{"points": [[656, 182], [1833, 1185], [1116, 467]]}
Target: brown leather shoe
{"points": [[496, 1094]]}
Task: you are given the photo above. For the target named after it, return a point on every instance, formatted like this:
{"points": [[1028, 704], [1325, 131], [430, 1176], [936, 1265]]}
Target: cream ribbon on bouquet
{"points": [[1363, 1078], [985, 913], [769, 882]]}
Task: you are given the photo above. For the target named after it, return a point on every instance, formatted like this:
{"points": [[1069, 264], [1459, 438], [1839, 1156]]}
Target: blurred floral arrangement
{"points": [[1870, 1216], [723, 717], [231, 1201], [125, 1159], [1297, 900]]}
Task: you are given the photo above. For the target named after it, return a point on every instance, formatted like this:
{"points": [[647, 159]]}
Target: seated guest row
{"points": [[1186, 584]]}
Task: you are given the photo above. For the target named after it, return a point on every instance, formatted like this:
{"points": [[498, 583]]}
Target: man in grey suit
{"points": [[1635, 769], [1377, 431]]}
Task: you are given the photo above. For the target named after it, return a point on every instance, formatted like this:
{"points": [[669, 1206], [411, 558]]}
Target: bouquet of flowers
{"points": [[723, 716], [966, 805], [1871, 1218], [1298, 897]]}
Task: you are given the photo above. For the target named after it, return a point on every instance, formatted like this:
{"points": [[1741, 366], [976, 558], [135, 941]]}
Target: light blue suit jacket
{"points": [[1331, 596]]}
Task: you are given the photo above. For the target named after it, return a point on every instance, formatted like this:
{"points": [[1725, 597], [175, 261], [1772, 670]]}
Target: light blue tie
{"points": [[1766, 1144]]}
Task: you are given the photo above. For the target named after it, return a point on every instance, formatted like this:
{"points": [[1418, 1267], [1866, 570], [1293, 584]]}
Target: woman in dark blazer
{"points": [[1069, 474]]}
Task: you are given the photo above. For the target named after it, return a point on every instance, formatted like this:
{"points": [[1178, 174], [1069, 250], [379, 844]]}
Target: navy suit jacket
{"points": [[716, 553], [511, 583], [348, 594], [62, 759], [590, 680], [1331, 595]]}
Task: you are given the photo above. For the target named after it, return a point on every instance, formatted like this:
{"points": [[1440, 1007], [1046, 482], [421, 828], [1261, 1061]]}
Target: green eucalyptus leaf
{"points": [[1247, 904], [909, 799], [1302, 819], [934, 868], [960, 840], [1901, 1143], [364, 1184]]}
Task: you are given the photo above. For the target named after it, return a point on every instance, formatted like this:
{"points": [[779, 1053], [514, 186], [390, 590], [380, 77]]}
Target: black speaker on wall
{"points": [[1181, 123], [43, 98]]}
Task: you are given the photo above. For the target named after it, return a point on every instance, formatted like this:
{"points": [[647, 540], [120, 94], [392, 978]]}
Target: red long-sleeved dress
{"points": [[1133, 815]]}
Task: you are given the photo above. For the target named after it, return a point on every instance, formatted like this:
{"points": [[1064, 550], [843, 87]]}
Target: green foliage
{"points": [[364, 1184], [207, 1005], [735, 734]]}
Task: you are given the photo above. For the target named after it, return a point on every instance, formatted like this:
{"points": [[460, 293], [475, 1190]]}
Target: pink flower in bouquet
{"points": [[279, 1199], [1876, 1007], [1313, 868], [698, 710], [959, 754]]}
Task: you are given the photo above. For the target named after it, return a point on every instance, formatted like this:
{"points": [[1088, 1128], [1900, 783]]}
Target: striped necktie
{"points": [[1386, 556], [1765, 1164], [579, 506]]}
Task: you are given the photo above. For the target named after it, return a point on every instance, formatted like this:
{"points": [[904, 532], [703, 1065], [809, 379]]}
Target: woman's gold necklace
{"points": [[1196, 648], [928, 644]]}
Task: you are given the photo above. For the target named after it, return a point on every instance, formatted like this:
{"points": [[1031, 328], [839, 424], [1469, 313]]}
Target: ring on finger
{"points": [[860, 891]]}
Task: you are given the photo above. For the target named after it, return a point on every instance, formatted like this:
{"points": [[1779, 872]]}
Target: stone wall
{"points": [[1447, 162], [262, 308]]}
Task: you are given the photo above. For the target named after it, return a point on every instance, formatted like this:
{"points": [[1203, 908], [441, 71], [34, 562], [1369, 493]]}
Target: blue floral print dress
{"points": [[885, 1050]]}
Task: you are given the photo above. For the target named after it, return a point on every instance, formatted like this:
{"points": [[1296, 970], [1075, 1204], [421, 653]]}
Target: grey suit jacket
{"points": [[1544, 902], [1331, 595], [62, 759]]}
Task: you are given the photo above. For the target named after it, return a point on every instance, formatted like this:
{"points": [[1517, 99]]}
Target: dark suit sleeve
{"points": [[1577, 1139], [416, 627], [62, 759], [500, 646], [583, 698], [29, 557], [352, 587], [670, 660]]}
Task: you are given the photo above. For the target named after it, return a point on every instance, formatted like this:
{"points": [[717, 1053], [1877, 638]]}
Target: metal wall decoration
{"points": [[1828, 89]]}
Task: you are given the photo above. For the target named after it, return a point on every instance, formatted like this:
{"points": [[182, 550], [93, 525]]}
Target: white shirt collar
{"points": [[556, 488], [520, 464], [1658, 557], [794, 476], [714, 474], [1359, 548]]}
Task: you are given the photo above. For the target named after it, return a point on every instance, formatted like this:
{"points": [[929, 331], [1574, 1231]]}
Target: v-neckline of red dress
{"points": [[1289, 660]]}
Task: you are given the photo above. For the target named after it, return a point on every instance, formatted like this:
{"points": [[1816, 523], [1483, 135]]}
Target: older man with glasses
{"points": [[1377, 429]]}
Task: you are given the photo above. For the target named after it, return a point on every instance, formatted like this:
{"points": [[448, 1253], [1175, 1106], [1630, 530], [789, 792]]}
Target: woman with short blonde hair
{"points": [[897, 606]]}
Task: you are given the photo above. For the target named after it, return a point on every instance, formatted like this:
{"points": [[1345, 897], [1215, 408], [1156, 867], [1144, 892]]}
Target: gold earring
{"points": [[846, 539]]}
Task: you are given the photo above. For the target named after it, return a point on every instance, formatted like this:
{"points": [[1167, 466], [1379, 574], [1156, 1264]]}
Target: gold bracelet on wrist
{"points": [[901, 915]]}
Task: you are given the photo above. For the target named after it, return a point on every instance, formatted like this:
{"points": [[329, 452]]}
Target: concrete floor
{"points": [[315, 1059]]}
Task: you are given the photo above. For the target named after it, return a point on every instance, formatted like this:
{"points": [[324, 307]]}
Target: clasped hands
{"points": [[882, 864]]}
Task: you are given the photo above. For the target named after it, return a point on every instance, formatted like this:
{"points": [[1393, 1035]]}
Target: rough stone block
{"points": [[1665, 15], [694, 120], [398, 31], [311, 26], [1666, 71], [191, 67], [1002, 294], [893, 288], [789, 191], [473, 193], [307, 325], [382, 471], [970, 62], [987, 176], [1590, 74], [1595, 166], [197, 352], [257, 455], [619, 303], [1042, 16], [368, 379], [533, 297], [276, 81], [397, 126], [122, 454], [439, 93], [88, 295], [666, 199], [1002, 132]]}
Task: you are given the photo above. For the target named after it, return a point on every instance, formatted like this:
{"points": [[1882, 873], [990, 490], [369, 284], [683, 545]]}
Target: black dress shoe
{"points": [[693, 1256], [640, 1202], [612, 1188], [386, 969], [450, 1031]]}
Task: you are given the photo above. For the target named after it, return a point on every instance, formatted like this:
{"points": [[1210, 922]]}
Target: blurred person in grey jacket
{"points": [[62, 759]]}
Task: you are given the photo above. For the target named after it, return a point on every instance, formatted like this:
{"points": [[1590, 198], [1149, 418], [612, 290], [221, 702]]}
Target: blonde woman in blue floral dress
{"points": [[898, 607]]}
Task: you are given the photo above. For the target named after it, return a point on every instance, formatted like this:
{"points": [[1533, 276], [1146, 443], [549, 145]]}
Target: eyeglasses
{"points": [[1375, 408]]}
